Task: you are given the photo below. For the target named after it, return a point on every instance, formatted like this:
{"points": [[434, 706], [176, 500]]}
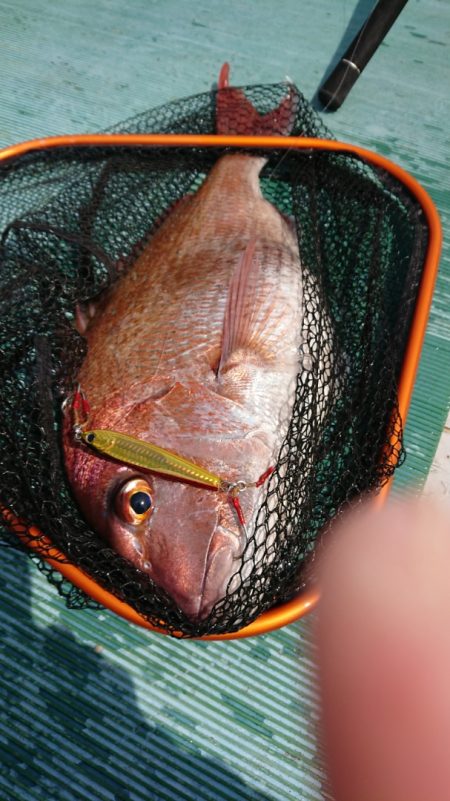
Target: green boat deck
{"points": [[90, 706]]}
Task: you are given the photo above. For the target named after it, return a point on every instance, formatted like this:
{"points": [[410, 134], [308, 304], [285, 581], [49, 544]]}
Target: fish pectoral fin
{"points": [[241, 327], [84, 313]]}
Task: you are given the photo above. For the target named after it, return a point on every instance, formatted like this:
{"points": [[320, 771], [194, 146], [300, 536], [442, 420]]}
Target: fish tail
{"points": [[236, 115]]}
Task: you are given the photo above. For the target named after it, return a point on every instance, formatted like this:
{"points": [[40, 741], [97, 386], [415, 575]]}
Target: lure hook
{"points": [[80, 411], [233, 490]]}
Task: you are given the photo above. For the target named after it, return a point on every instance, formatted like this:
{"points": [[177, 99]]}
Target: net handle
{"points": [[307, 600]]}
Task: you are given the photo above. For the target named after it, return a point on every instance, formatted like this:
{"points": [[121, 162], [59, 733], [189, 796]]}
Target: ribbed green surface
{"points": [[92, 708]]}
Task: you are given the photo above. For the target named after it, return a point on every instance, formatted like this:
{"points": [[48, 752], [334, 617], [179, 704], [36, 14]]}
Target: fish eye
{"points": [[134, 502]]}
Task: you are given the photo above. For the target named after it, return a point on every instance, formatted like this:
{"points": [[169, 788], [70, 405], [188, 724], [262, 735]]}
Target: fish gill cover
{"points": [[75, 220]]}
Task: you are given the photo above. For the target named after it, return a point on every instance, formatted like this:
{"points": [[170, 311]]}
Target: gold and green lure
{"points": [[150, 457]]}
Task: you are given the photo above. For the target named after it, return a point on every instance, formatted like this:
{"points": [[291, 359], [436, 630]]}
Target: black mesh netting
{"points": [[73, 219]]}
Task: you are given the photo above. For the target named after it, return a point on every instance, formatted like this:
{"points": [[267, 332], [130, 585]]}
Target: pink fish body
{"points": [[195, 349]]}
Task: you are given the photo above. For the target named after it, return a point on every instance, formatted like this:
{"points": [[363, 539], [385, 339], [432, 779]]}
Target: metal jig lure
{"points": [[146, 455], [135, 451]]}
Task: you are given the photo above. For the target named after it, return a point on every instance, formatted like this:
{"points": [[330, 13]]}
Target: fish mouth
{"points": [[222, 563]]}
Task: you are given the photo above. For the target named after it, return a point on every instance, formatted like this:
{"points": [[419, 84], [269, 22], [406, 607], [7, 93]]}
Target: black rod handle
{"points": [[338, 84]]}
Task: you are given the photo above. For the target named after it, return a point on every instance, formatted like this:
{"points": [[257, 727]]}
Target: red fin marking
{"points": [[235, 115], [237, 324]]}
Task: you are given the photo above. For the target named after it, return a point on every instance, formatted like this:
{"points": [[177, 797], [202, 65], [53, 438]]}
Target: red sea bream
{"points": [[195, 349]]}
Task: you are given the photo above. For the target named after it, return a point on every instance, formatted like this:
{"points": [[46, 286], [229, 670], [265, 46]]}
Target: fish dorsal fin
{"points": [[241, 303]]}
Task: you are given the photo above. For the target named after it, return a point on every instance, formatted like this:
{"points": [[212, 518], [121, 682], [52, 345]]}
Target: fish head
{"points": [[187, 538]]}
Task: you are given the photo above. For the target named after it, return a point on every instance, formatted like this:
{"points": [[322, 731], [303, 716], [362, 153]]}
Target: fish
{"points": [[195, 349]]}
